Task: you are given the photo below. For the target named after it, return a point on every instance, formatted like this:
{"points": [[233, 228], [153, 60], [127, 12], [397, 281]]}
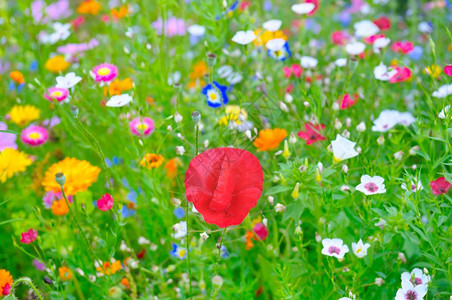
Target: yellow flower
{"points": [[269, 139], [12, 161], [65, 273], [233, 113], [5, 279], [22, 115], [434, 71], [79, 174], [89, 7], [263, 37], [152, 160], [295, 192], [57, 64]]}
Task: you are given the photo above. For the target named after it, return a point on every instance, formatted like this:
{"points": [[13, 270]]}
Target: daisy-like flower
{"points": [[343, 148], [334, 247], [371, 185], [280, 54], [152, 160], [34, 135], [6, 281], [142, 126], [24, 114], [355, 48], [312, 133], [365, 28], [119, 100], [360, 249], [178, 251], [105, 72], [12, 161], [68, 81], [180, 230], [269, 139], [244, 37], [54, 93], [215, 94], [303, 8], [411, 292], [29, 236], [416, 277], [443, 91], [79, 174]]}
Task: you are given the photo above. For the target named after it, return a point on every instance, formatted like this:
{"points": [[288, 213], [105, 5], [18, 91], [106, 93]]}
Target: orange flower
{"points": [[110, 268], [152, 160], [60, 207], [171, 167], [269, 139], [121, 12], [125, 282], [56, 64], [17, 76], [89, 7], [117, 87], [6, 281], [249, 240], [65, 273], [199, 70]]}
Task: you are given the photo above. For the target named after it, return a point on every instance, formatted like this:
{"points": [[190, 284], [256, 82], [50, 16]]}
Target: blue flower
{"points": [[34, 66], [416, 53], [215, 94], [179, 212], [282, 54], [178, 252], [127, 212], [224, 252]]}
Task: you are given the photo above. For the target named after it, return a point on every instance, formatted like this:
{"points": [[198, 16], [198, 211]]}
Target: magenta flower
{"points": [[34, 135], [448, 70], [55, 93], [105, 72], [173, 26], [261, 231], [440, 186], [49, 197], [348, 101], [105, 203], [403, 73], [29, 236], [403, 47], [142, 126]]}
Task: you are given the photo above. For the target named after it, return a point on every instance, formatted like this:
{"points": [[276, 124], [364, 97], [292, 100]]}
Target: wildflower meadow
{"points": [[222, 149]]}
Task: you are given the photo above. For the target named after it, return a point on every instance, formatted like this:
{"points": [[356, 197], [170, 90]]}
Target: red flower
{"points": [[294, 69], [141, 254], [105, 203], [403, 47], [312, 135], [29, 236], [347, 101], [440, 186], [403, 73], [224, 184], [383, 23], [316, 3], [261, 231], [339, 38], [448, 70]]}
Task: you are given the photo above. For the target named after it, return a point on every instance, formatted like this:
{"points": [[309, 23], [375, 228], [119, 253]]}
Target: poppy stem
{"points": [[197, 139], [219, 245], [188, 246]]}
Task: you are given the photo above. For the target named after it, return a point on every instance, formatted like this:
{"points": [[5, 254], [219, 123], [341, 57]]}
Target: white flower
{"points": [[389, 118], [355, 48], [343, 148], [279, 207], [361, 127], [204, 236], [196, 30], [365, 28], [180, 230], [360, 249], [180, 150], [443, 91], [379, 281], [445, 111], [177, 117], [244, 37], [371, 185], [234, 78], [143, 241], [406, 118], [425, 27], [303, 8], [416, 277], [381, 72], [381, 223], [224, 71], [409, 291], [380, 43], [119, 100], [340, 62], [308, 62], [67, 81], [275, 44], [272, 25], [334, 247]]}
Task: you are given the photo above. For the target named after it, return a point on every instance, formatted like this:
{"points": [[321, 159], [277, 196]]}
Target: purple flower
{"points": [[173, 26], [39, 264], [7, 140]]}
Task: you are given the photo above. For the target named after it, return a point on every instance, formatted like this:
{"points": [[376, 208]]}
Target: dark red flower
{"points": [[348, 101], [312, 133], [140, 255], [224, 184], [383, 23], [440, 186]]}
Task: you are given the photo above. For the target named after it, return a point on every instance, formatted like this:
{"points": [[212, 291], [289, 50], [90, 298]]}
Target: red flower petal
{"points": [[224, 184]]}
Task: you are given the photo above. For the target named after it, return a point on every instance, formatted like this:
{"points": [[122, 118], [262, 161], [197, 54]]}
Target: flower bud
{"points": [[196, 116], [74, 111], [217, 281], [211, 59], [60, 178], [381, 140]]}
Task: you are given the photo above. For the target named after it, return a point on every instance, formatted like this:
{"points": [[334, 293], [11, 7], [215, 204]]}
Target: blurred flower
{"points": [[440, 186], [105, 203], [59, 207], [109, 268], [355, 48], [272, 25], [381, 72], [294, 69], [55, 93], [80, 175], [303, 8], [121, 12], [105, 72], [152, 160], [244, 37], [371, 185], [262, 37], [7, 139], [11, 162], [51, 197], [173, 26], [308, 62], [68, 81], [389, 118], [312, 133], [347, 101], [260, 230], [23, 114], [269, 139], [360, 249], [443, 91], [215, 94], [334, 247], [383, 23], [29, 236], [171, 167], [365, 28], [180, 230], [39, 265], [91, 7], [6, 281], [178, 251], [414, 187], [142, 126], [34, 135], [57, 64], [116, 87], [448, 70], [276, 52], [442, 114], [434, 71], [343, 148], [403, 47], [17, 77]]}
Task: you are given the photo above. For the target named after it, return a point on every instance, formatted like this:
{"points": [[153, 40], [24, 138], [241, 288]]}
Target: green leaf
{"points": [[294, 211]]}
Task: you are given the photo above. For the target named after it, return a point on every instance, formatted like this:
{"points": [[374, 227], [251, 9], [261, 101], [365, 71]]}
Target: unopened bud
{"points": [[196, 116], [60, 178], [74, 111]]}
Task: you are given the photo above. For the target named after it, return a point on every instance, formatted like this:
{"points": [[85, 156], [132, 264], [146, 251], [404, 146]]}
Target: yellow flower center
{"points": [[103, 71], [142, 126], [57, 94], [182, 253], [34, 135], [336, 160], [213, 96]]}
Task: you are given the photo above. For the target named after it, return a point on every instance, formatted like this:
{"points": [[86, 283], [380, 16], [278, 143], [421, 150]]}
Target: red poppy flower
{"points": [[312, 135], [383, 23], [348, 101], [440, 186], [224, 184]]}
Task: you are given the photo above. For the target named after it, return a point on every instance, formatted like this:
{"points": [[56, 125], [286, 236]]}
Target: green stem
{"points": [[187, 239], [28, 282], [217, 263]]}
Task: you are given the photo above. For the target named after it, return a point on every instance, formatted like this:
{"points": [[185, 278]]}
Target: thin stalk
{"points": [[28, 282]]}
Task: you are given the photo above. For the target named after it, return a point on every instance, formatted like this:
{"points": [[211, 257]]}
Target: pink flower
{"points": [[339, 38], [403, 47], [261, 231], [105, 72], [448, 70], [51, 196], [105, 203], [440, 186], [55, 93], [294, 69], [371, 39], [34, 135], [29, 236], [347, 101], [142, 126], [403, 73]]}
